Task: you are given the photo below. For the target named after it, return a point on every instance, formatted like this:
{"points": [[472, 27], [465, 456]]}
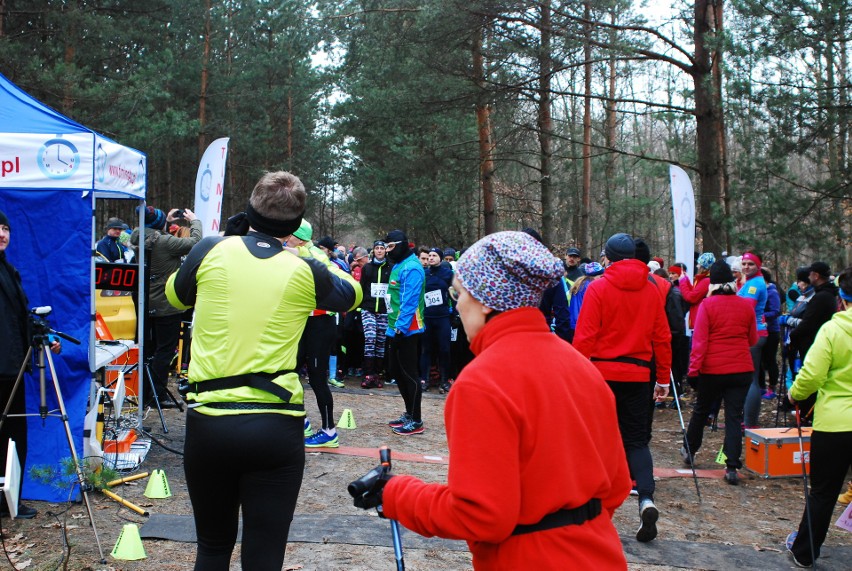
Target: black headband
{"points": [[272, 226]]}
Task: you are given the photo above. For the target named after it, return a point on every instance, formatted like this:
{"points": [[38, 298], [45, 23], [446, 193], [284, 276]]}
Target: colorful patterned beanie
{"points": [[508, 270]]}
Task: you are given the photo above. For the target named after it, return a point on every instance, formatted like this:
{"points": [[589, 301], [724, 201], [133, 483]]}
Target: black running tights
{"points": [[249, 461]]}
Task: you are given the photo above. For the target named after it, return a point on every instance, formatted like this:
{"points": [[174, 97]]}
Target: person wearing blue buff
{"points": [[754, 289], [591, 272]]}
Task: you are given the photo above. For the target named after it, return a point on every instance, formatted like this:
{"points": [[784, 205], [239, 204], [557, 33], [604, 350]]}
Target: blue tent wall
{"points": [[50, 245]]}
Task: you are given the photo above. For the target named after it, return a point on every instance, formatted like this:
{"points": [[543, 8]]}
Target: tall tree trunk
{"points": [[545, 123], [2, 18], [611, 121], [202, 100], [290, 118], [718, 106], [584, 233], [486, 141], [69, 56], [708, 130]]}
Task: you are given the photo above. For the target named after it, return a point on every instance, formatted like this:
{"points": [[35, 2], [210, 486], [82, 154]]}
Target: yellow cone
{"points": [[347, 419], [158, 486], [129, 545]]}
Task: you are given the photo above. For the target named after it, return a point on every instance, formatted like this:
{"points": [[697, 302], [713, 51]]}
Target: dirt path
{"points": [[756, 515]]}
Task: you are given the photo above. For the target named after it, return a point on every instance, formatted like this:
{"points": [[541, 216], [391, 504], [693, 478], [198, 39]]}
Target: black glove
{"points": [[237, 225], [367, 490]]}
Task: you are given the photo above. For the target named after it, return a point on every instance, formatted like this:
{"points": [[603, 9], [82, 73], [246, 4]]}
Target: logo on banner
{"points": [[58, 158], [100, 163], [205, 184], [685, 212]]}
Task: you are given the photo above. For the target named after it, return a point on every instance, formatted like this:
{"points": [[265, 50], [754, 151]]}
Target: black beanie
{"points": [[643, 252], [4, 221], [803, 274], [620, 247], [401, 250], [720, 273]]}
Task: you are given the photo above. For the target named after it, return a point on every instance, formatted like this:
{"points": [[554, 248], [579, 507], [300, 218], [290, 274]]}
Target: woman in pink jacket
{"points": [[720, 362], [540, 493]]}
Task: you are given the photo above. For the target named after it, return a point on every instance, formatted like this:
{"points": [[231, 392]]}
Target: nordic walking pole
{"points": [[685, 441], [367, 492], [805, 483], [384, 458]]}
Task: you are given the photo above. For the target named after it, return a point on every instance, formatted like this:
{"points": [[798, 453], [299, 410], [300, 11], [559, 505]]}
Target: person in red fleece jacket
{"points": [[623, 327], [542, 493], [695, 292], [725, 329]]}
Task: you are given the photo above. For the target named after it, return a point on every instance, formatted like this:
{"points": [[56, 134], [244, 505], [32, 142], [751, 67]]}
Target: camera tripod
{"points": [[41, 342], [148, 379]]}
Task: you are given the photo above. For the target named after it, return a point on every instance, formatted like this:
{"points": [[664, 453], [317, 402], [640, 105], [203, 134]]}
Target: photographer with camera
{"points": [[15, 340], [164, 254]]}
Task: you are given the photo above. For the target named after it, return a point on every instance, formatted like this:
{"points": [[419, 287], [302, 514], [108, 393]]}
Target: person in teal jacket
{"points": [[827, 371], [405, 303]]}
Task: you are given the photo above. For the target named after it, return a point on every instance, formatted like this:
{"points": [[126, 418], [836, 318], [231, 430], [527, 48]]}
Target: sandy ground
{"points": [[759, 513]]}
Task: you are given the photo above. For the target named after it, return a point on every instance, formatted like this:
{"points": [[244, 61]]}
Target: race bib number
{"points": [[379, 290], [433, 298], [454, 334]]}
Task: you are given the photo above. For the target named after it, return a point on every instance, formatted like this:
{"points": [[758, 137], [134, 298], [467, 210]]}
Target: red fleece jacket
{"points": [[527, 437], [694, 294], [725, 328], [623, 315]]}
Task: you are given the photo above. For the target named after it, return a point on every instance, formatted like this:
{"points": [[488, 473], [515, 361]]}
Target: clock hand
{"points": [[57, 156]]}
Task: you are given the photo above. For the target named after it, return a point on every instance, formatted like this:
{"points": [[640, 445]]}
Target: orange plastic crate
{"points": [[121, 445], [775, 453]]}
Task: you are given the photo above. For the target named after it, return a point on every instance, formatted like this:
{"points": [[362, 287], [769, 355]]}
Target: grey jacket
{"points": [[164, 254]]}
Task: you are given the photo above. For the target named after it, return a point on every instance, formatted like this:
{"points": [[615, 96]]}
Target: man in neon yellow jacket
{"points": [[827, 370], [244, 446]]}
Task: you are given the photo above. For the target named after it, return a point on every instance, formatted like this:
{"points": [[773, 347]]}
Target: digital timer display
{"points": [[122, 277]]}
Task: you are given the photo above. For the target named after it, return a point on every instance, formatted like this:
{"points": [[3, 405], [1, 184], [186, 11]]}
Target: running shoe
{"points": [[688, 459], [403, 419], [391, 382], [410, 428], [336, 383], [445, 387], [308, 430], [731, 476], [649, 515], [788, 543], [322, 440], [768, 395]]}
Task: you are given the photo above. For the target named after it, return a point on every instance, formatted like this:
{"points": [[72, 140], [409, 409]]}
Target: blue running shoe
{"points": [[403, 419], [409, 428], [308, 430], [788, 543], [322, 440]]}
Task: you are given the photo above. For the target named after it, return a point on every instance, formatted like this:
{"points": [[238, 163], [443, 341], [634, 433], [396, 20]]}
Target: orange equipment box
{"points": [[121, 445], [123, 363], [774, 452]]}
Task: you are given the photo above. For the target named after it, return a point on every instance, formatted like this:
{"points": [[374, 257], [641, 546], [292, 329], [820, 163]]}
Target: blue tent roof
{"points": [[21, 113]]}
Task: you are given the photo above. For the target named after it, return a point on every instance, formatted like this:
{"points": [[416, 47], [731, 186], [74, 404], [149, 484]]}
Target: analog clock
{"points": [[206, 183], [58, 158]]}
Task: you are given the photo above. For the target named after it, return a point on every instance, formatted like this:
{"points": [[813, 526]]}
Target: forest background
{"points": [[456, 118]]}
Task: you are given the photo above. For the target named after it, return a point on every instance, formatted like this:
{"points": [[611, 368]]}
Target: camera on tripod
{"points": [[41, 330]]}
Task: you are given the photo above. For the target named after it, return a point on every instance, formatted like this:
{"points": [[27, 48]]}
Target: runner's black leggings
{"points": [[315, 347], [249, 461], [403, 368]]}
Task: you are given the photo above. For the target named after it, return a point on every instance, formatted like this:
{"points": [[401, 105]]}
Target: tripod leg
{"points": [[16, 387], [154, 397], [45, 350]]}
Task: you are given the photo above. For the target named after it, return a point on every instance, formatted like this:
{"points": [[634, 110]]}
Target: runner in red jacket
{"points": [[621, 328]]}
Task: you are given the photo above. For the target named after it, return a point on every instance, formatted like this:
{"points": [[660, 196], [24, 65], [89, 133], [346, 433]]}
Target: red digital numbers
{"points": [[116, 276]]}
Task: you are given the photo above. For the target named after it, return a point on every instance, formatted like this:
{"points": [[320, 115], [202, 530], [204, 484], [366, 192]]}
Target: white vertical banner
{"points": [[683, 205], [210, 186]]}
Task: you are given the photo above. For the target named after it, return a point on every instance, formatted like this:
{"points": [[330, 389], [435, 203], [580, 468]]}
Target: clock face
{"points": [[206, 183], [58, 159]]}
